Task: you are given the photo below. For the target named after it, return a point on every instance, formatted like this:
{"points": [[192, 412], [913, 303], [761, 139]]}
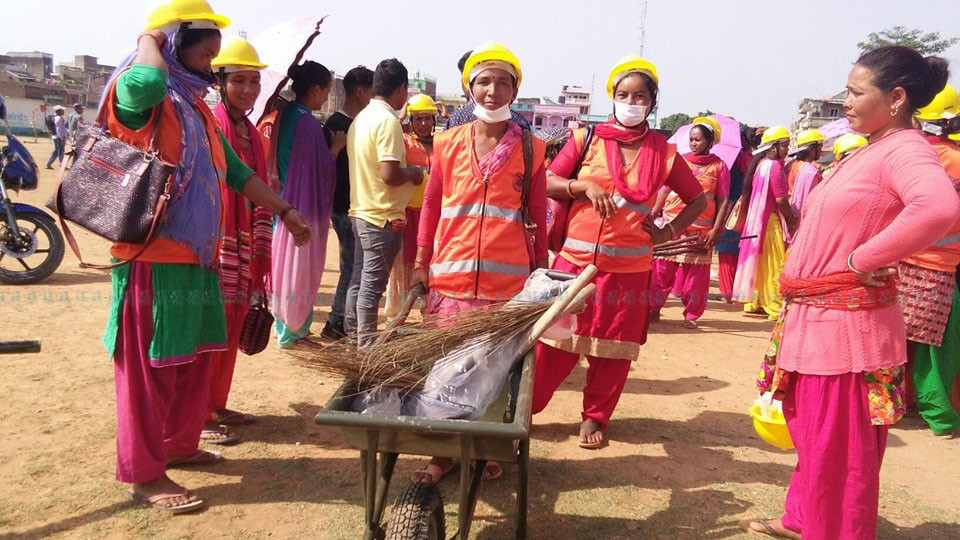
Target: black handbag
{"points": [[114, 189]]}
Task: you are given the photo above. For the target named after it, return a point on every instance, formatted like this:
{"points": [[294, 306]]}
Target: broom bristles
{"points": [[404, 361]]}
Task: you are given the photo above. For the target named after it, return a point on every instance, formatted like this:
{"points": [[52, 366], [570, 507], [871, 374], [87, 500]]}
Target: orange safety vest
{"points": [[480, 246], [617, 244], [944, 255], [417, 155], [708, 176]]}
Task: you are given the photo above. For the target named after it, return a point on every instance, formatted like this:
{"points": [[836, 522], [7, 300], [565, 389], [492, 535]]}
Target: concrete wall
{"points": [[24, 116]]}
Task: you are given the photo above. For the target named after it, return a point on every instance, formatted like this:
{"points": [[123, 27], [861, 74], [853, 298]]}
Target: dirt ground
{"points": [[683, 460]]}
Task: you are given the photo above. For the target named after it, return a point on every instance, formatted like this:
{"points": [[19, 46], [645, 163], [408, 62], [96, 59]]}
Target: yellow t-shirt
{"points": [[375, 136]]}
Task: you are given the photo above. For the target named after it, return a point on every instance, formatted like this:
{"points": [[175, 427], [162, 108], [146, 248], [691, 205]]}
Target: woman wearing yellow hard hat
{"points": [[837, 353], [612, 193], [483, 222], [932, 313], [803, 172], [688, 275], [761, 258], [159, 343], [846, 144], [421, 114], [245, 249]]}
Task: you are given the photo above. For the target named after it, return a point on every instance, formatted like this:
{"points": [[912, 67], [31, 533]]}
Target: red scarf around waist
{"points": [[842, 291]]}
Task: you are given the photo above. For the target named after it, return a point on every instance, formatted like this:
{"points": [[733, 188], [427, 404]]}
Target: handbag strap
{"points": [[156, 114], [72, 241]]}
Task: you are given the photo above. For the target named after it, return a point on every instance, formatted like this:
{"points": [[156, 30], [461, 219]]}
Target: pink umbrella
{"points": [[727, 149], [280, 46]]}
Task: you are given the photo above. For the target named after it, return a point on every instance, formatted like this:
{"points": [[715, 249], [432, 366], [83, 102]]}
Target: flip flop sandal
{"points": [[236, 419], [435, 472], [200, 457], [212, 436], [768, 530], [154, 502], [492, 471], [592, 445]]}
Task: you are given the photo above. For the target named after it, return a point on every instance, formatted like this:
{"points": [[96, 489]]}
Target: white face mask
{"points": [[630, 115], [501, 114]]}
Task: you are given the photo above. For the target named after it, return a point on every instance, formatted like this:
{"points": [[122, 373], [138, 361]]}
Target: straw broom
{"points": [[404, 361]]}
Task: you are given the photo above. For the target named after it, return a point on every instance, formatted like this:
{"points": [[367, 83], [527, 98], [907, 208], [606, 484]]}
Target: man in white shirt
{"points": [[59, 136]]}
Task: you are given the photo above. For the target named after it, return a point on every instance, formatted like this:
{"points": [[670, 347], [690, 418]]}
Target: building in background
{"points": [[452, 102], [816, 112], [337, 97], [575, 95], [549, 114], [422, 83], [36, 63], [525, 107], [85, 75]]}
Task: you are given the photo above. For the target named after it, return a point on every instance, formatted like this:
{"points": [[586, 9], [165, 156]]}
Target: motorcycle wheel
{"points": [[37, 254]]}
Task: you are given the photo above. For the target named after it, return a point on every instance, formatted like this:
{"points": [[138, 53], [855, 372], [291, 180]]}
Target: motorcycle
{"points": [[31, 245]]}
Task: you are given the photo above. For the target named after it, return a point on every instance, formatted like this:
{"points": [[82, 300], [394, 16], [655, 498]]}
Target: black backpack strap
{"points": [[527, 178]]}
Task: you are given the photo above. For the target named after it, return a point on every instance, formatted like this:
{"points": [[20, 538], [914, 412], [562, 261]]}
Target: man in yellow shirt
{"points": [[380, 188]]}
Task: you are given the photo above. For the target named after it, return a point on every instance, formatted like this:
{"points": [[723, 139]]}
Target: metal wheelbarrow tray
{"points": [[503, 435]]}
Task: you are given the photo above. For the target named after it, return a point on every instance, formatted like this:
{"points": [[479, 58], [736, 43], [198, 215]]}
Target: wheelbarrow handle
{"points": [[18, 347], [418, 290]]}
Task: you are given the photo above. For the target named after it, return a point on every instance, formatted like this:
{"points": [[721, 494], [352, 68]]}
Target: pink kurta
{"points": [[887, 201]]}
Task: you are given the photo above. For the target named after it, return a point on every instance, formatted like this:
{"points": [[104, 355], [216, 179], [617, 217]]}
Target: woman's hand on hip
{"points": [[878, 278], [657, 235]]}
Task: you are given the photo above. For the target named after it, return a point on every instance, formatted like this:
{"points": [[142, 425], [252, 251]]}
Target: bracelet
{"points": [[852, 269], [155, 38], [283, 213], [569, 189]]}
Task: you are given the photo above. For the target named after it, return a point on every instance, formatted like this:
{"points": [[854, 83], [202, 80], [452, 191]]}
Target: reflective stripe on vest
{"points": [[638, 208], [947, 240], [479, 265], [612, 251], [477, 209]]}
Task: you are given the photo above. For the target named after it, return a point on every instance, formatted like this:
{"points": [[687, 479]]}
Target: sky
{"points": [[752, 60]]}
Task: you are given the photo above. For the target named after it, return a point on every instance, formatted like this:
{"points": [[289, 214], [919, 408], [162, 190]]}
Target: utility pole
{"points": [[643, 24]]}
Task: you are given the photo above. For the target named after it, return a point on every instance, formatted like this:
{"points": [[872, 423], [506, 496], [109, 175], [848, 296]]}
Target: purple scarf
{"points": [[309, 188]]}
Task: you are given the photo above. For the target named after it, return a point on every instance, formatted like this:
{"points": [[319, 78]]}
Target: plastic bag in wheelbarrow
{"points": [[465, 382]]}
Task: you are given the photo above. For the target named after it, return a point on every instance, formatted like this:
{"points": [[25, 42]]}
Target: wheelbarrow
{"points": [[502, 434]]}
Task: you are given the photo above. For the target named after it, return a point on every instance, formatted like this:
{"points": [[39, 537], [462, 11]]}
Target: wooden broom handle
{"points": [[561, 304]]}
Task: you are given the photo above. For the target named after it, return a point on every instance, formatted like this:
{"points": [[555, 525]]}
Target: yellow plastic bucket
{"points": [[771, 427]]}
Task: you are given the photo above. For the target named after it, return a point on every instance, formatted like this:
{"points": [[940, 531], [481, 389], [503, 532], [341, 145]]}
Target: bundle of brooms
{"points": [[402, 360], [690, 244]]}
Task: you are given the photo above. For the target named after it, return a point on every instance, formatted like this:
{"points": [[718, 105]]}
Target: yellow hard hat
{"points": [[490, 51], [770, 136], [944, 106], [846, 143], [238, 55], [710, 124], [955, 137], [421, 103], [807, 138], [180, 11], [631, 63]]}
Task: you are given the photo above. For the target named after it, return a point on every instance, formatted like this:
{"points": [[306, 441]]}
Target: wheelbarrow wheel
{"points": [[417, 514]]}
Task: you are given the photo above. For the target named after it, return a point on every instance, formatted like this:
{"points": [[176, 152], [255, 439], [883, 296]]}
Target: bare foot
{"points": [[768, 527], [691, 325], [214, 433], [161, 486], [433, 472], [591, 435]]}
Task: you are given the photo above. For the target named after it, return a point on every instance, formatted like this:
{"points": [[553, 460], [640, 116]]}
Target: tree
{"points": [[707, 112], [674, 121], [925, 44]]}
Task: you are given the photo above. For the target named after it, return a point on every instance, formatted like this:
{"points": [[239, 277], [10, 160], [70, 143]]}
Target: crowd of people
{"points": [[469, 212]]}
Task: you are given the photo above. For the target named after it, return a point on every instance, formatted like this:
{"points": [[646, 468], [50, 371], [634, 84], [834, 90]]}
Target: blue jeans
{"points": [[375, 250], [57, 151], [341, 224]]}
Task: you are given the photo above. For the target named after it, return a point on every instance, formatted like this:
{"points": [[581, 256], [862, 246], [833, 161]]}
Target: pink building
{"points": [[553, 115]]}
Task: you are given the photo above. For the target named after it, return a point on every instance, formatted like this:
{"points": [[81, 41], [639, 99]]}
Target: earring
{"points": [[895, 111]]}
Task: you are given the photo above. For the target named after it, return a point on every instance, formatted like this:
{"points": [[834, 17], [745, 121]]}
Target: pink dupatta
{"points": [[744, 285]]}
